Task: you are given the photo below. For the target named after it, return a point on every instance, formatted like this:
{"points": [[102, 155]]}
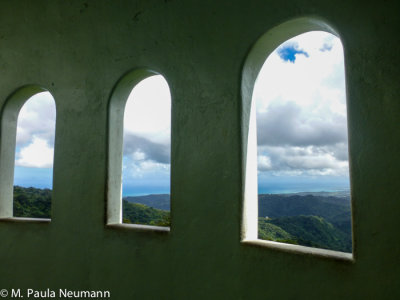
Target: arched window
{"points": [[143, 119], [298, 190], [27, 150]]}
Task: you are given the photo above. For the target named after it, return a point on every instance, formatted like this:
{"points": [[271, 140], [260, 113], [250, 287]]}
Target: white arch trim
{"points": [[258, 54]]}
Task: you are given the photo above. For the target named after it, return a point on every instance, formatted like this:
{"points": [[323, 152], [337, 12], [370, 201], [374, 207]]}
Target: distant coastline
{"points": [[320, 192]]}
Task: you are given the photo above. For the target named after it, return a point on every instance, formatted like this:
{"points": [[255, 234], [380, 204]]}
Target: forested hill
{"points": [[335, 210], [32, 202], [274, 205], [159, 201], [279, 205], [322, 221], [142, 214], [36, 203]]}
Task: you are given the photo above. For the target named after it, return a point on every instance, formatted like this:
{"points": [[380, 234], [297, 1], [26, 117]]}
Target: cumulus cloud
{"points": [[340, 151], [264, 163], [141, 148], [301, 109], [147, 132], [148, 110], [139, 165], [35, 132], [311, 160], [38, 154], [37, 118], [288, 124]]}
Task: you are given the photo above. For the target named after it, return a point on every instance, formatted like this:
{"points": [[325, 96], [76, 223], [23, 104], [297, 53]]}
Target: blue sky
{"points": [[147, 130], [301, 125], [289, 52]]}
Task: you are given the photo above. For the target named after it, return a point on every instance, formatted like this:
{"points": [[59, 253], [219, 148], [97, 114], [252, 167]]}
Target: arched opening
{"points": [[140, 123], [27, 151], [297, 190]]}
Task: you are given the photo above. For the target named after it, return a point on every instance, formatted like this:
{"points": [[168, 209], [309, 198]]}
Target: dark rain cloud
{"points": [[288, 51], [153, 151], [287, 125]]}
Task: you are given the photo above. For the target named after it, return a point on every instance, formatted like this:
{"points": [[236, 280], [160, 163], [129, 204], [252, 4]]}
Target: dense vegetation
{"points": [[309, 231], [160, 201], [333, 209], [314, 220], [36, 203], [309, 220], [269, 231], [32, 202], [137, 213]]}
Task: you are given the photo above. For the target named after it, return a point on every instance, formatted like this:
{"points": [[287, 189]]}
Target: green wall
{"points": [[78, 50]]}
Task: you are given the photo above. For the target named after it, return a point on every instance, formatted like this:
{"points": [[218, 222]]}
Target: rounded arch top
{"points": [[8, 132], [18, 98], [269, 41], [126, 83], [257, 56], [116, 109]]}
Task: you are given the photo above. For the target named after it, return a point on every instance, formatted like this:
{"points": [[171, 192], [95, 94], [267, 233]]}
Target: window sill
{"points": [[137, 227], [25, 220], [330, 254]]}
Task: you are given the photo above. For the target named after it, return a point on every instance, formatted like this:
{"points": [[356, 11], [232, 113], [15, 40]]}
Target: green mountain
{"points": [[316, 220], [335, 210], [269, 231], [309, 231], [32, 202], [278, 205], [36, 203], [160, 201], [142, 214]]}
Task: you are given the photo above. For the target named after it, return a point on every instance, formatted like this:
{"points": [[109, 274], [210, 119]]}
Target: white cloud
{"points": [[142, 168], [37, 118], [35, 132], [148, 110], [293, 160], [139, 147], [38, 154], [264, 163], [301, 110], [280, 82], [147, 131], [138, 155], [291, 124]]}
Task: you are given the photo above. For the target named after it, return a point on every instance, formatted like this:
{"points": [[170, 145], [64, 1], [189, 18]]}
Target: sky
{"points": [[35, 142], [301, 116], [147, 138], [301, 126], [146, 148]]}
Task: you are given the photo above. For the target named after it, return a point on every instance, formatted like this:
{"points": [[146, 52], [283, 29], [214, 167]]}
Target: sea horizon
{"points": [[270, 190], [276, 189]]}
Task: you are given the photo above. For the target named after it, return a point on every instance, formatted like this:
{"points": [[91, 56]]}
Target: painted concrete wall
{"points": [[78, 50]]}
